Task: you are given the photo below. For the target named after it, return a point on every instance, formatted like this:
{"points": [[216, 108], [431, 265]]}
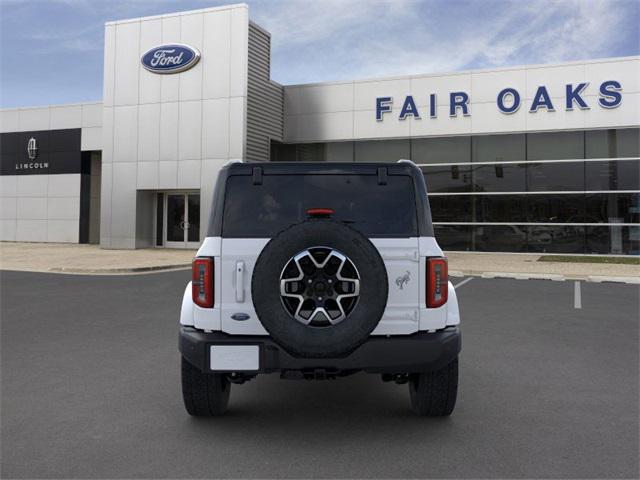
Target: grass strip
{"points": [[631, 260]]}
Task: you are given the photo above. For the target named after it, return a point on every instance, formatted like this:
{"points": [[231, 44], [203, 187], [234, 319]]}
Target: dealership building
{"points": [[541, 158]]}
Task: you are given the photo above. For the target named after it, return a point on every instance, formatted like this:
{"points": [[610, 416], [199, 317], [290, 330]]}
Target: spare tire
{"points": [[319, 288]]}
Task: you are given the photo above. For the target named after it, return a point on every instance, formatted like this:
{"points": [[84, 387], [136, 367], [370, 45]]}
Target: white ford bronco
{"points": [[320, 270]]}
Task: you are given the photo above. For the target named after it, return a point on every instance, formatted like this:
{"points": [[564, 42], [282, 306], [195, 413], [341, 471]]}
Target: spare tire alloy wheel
{"points": [[319, 288]]}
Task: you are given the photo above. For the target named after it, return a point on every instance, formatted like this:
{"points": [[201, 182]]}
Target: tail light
{"points": [[320, 212], [202, 282], [437, 282]]}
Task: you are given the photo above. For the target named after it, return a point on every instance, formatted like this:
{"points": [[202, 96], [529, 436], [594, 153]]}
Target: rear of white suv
{"points": [[320, 271]]}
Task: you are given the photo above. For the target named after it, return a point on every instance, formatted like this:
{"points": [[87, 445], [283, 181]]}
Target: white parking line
{"points": [[459, 284], [577, 295]]}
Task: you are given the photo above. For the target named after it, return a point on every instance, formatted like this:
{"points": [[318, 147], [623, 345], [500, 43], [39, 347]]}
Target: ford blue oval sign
{"points": [[172, 58]]}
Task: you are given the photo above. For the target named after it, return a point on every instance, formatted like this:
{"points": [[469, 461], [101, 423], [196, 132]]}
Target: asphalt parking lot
{"points": [[90, 388]]}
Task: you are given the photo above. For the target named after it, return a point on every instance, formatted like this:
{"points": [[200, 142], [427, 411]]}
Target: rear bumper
{"points": [[420, 352]]}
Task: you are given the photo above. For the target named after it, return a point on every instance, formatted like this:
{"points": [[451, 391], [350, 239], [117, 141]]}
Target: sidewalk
{"points": [[73, 258], [491, 265], [91, 259]]}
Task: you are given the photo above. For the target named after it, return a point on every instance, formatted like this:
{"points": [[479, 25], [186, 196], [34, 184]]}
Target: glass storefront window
{"points": [[559, 208], [499, 148], [564, 176], [613, 240], [441, 150], [616, 240], [613, 207], [555, 239], [500, 208], [382, 150], [448, 178], [613, 175], [555, 145], [612, 143], [500, 238], [446, 208], [555, 208], [499, 178], [454, 237], [193, 232], [531, 176]]}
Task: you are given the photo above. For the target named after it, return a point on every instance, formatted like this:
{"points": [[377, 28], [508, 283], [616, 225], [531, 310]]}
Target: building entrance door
{"points": [[182, 220]]}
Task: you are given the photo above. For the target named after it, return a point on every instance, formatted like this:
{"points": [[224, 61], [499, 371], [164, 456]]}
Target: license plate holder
{"points": [[234, 358]]}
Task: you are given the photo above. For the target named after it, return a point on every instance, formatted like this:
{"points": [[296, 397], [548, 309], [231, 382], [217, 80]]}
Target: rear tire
{"points": [[433, 394], [204, 394]]}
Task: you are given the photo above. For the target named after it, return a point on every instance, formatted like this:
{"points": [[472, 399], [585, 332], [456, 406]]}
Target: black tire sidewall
{"points": [[204, 394], [313, 342]]}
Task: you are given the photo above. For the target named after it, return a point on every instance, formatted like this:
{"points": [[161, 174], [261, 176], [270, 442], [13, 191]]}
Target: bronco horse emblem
{"points": [[403, 279]]}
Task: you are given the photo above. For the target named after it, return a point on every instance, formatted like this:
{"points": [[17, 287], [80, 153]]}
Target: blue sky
{"points": [[51, 51]]}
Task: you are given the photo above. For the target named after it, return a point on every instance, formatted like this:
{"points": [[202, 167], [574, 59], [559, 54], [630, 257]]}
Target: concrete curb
{"points": [[546, 276], [599, 279], [107, 271], [524, 276]]}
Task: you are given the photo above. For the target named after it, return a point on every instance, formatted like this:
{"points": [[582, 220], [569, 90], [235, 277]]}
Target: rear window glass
{"points": [[259, 211]]}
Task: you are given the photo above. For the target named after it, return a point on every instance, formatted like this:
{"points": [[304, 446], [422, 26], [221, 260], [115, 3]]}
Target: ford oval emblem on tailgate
{"points": [[173, 58], [240, 317]]}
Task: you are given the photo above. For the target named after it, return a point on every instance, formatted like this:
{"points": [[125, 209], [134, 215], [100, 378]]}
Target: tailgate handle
{"points": [[240, 281]]}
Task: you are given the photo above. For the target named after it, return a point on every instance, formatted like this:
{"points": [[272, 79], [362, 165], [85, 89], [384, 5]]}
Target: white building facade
{"points": [[539, 158]]}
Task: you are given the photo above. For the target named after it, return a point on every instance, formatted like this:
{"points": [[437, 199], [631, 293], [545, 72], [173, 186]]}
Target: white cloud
{"points": [[315, 40], [326, 40], [79, 40], [296, 22], [322, 40]]}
